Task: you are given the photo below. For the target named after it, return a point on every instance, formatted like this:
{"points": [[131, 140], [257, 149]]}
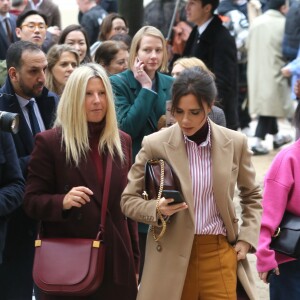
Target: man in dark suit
{"points": [[26, 64], [7, 27], [211, 42]]}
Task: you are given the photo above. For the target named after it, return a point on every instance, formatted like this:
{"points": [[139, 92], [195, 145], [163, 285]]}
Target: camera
{"points": [[9, 122]]}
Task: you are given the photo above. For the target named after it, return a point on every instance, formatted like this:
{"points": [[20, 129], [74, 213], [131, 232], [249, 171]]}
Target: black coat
{"points": [[11, 184], [217, 49]]}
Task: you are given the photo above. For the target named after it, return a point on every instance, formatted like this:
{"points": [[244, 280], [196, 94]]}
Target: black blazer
{"points": [[4, 42], [217, 49]]}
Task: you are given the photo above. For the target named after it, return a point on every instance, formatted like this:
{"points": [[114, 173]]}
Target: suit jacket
{"points": [[11, 184], [138, 110], [24, 140], [21, 230], [4, 42], [231, 165], [50, 10], [51, 178], [218, 51]]}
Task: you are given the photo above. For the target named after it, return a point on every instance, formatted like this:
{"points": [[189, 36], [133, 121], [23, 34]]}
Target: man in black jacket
{"points": [[211, 42]]}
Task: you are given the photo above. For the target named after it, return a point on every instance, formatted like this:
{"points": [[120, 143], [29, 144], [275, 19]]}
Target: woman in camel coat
{"points": [[207, 217]]}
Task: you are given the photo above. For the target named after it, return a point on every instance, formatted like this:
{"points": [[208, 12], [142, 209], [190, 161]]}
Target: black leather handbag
{"points": [[286, 239]]}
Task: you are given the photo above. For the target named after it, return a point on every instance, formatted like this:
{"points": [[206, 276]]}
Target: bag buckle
{"points": [[277, 232]]}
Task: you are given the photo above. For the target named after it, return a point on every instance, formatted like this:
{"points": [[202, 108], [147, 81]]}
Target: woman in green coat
{"points": [[141, 93]]}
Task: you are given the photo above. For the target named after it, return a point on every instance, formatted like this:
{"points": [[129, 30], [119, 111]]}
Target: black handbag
{"points": [[286, 239]]}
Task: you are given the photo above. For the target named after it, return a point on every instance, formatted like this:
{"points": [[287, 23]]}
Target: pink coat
{"points": [[281, 192]]}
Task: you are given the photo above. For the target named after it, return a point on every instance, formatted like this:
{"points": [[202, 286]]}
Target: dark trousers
{"points": [[243, 110], [266, 125], [286, 285]]}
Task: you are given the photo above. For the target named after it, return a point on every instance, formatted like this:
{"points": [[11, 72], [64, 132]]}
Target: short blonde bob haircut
{"points": [[71, 116], [190, 62], [136, 42]]}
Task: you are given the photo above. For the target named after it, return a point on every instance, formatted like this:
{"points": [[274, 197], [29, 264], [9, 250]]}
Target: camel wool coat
{"points": [[165, 271]]}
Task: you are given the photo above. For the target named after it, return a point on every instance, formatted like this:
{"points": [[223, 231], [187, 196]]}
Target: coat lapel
{"points": [[222, 157], [175, 148]]}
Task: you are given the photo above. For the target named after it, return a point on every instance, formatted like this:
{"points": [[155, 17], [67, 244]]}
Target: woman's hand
{"points": [[241, 248], [169, 210], [285, 71], [264, 275], [140, 75], [77, 197]]}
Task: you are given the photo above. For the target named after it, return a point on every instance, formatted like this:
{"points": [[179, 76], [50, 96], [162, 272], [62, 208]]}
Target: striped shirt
{"points": [[207, 216]]}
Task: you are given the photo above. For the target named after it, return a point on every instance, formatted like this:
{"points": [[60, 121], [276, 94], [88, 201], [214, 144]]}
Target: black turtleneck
{"points": [[201, 135]]}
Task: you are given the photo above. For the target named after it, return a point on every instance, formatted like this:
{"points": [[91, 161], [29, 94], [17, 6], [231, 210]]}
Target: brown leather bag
{"points": [[72, 266], [159, 176]]}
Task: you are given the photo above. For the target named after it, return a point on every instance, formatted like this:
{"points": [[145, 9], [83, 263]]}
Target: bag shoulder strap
{"points": [[106, 190]]}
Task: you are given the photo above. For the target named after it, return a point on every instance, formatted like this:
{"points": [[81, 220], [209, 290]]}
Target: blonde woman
{"points": [[66, 177], [216, 114], [62, 61]]}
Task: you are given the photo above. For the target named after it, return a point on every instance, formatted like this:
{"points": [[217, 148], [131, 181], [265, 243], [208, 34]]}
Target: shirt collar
{"points": [[202, 28], [23, 102], [35, 6], [207, 142], [4, 17]]}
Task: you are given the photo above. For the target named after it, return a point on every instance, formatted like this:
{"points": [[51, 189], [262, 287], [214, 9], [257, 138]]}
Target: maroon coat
{"points": [[50, 178]]}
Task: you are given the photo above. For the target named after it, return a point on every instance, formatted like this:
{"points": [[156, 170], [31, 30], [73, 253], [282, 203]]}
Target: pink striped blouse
{"points": [[207, 217]]}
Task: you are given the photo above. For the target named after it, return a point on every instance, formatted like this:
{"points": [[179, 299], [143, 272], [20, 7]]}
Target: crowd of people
{"points": [[94, 92]]}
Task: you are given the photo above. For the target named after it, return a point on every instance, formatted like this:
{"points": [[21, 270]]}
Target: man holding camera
{"points": [[24, 93]]}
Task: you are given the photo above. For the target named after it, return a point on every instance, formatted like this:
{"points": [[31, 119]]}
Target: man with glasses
{"points": [[30, 26]]}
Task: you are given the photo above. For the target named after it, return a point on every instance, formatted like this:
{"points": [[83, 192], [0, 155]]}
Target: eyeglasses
{"points": [[32, 26], [120, 29]]}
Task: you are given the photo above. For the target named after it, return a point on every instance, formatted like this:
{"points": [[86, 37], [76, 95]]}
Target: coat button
{"points": [[66, 188], [159, 247], [79, 217]]}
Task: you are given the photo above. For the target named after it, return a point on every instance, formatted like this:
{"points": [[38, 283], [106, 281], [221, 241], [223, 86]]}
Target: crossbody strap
{"points": [[106, 190]]}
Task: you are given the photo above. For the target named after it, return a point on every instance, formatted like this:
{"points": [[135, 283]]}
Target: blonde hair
{"points": [[190, 62], [53, 57], [136, 42], [71, 116]]}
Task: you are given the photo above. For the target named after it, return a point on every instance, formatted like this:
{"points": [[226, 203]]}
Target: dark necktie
{"points": [[195, 46], [35, 128], [8, 30]]}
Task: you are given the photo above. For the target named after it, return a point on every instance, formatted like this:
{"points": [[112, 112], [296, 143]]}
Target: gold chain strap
{"points": [[159, 214]]}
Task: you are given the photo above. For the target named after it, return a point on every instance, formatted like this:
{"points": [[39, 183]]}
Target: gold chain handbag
{"points": [[158, 177]]}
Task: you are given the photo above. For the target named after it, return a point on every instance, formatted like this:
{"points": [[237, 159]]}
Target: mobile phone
{"points": [[270, 274], [174, 195]]}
